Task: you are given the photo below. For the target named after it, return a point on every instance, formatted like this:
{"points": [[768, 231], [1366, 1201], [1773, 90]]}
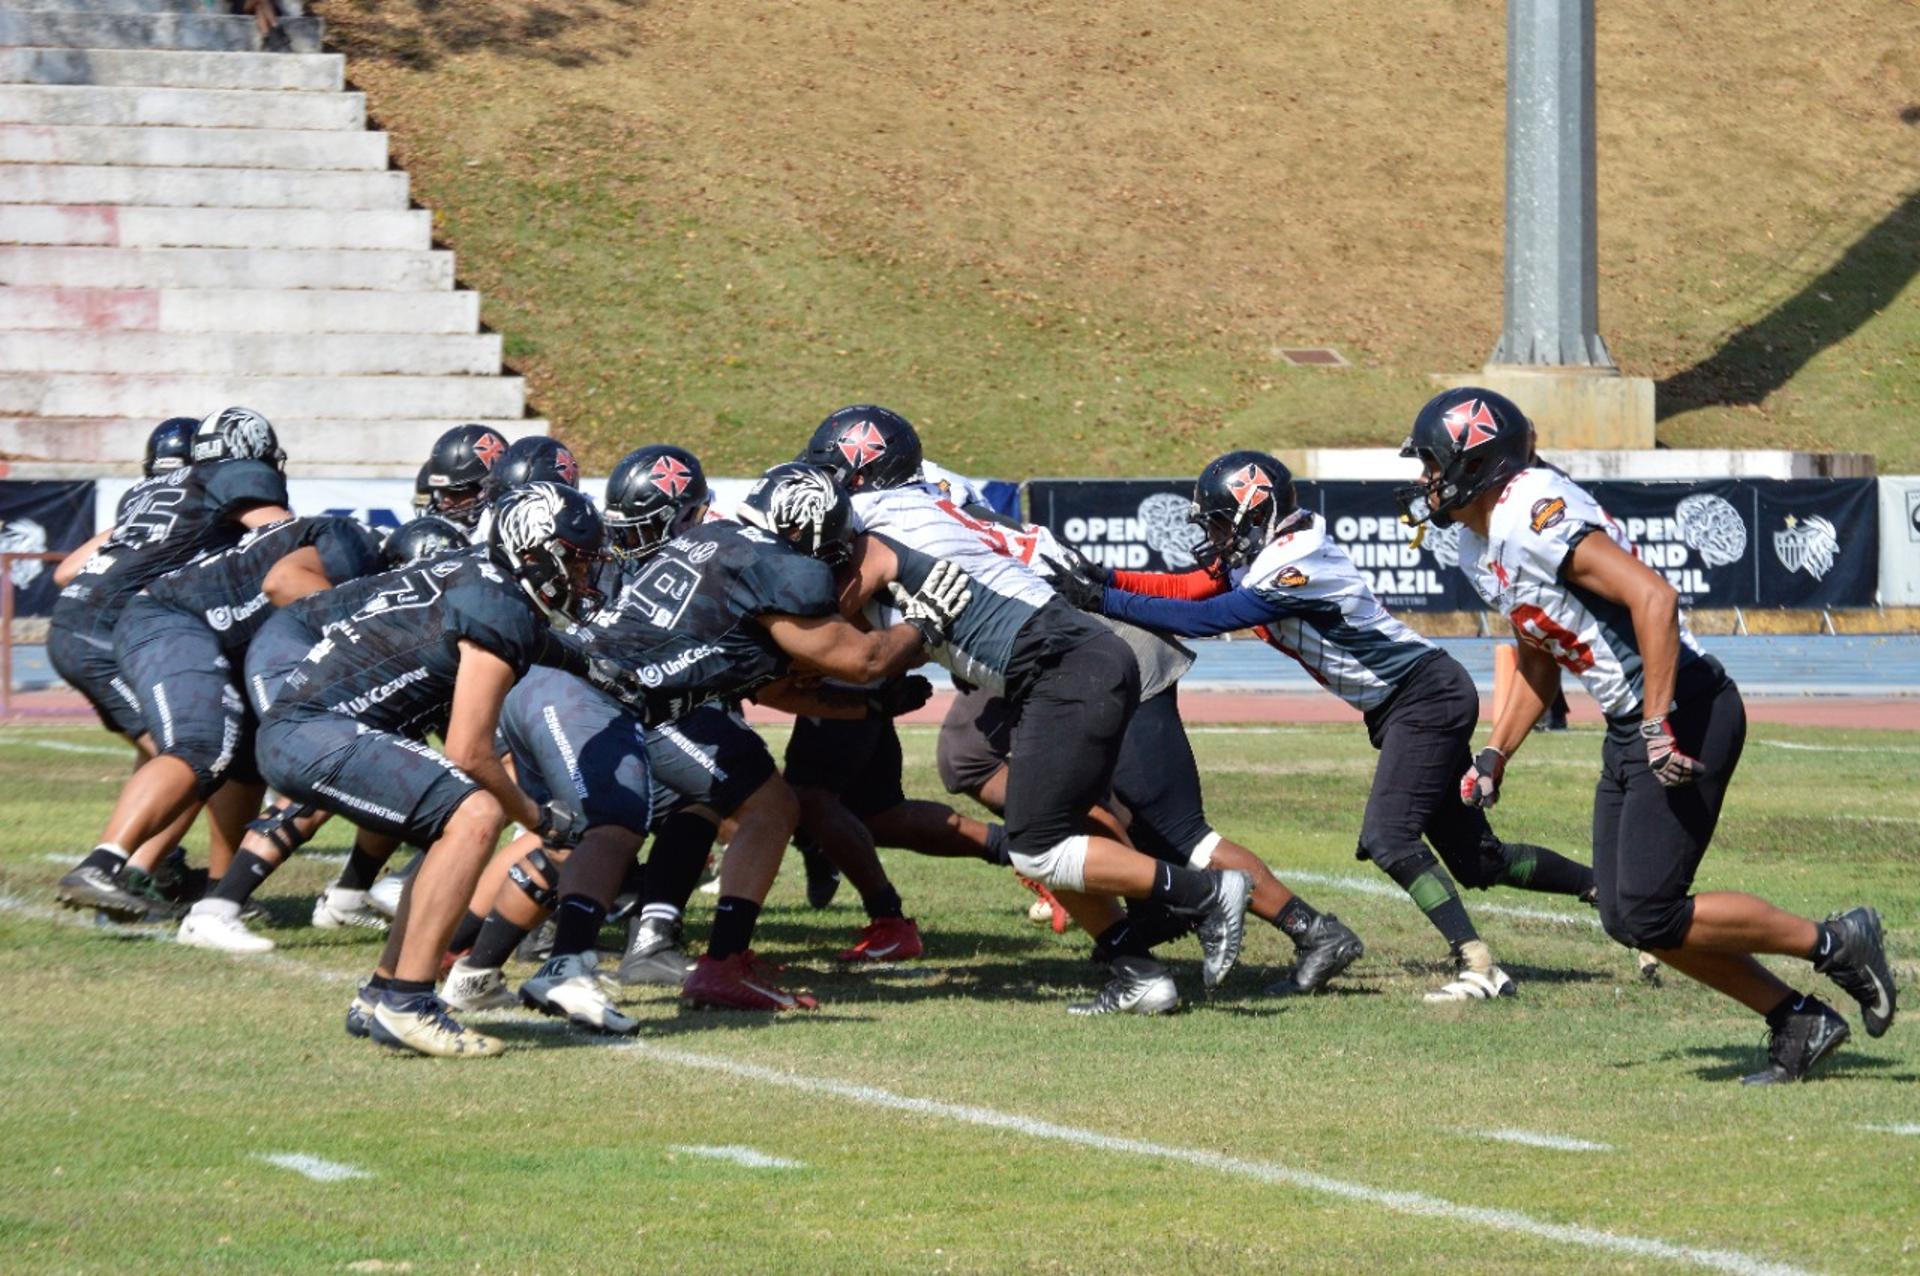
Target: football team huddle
{"points": [[519, 659]]}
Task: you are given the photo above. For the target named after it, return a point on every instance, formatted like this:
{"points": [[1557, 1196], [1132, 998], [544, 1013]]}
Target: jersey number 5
{"points": [[1540, 629]]}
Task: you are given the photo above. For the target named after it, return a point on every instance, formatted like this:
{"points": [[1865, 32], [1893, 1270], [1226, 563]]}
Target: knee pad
{"points": [[541, 889], [278, 826], [1402, 863], [1202, 853], [1062, 865]]}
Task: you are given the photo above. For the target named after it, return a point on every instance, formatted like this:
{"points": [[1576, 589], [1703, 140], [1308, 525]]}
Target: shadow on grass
{"points": [[1759, 358], [420, 34], [1731, 1062]]}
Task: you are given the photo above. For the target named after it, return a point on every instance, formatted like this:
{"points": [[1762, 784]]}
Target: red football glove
{"points": [[1480, 786], [1669, 765]]}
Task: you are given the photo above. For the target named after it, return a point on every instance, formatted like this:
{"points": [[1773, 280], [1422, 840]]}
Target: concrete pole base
{"points": [[1572, 407]]}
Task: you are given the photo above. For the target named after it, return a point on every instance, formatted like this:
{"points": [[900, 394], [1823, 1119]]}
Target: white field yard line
{"points": [[1413, 1203], [1387, 890], [1535, 1139], [316, 1168], [68, 746], [1905, 1127], [752, 1158], [1803, 747]]}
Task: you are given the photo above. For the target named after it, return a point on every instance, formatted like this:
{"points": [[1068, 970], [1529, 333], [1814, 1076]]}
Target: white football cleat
{"points": [[468, 988], [1475, 977], [339, 909], [1140, 986], [568, 987], [221, 933], [384, 895], [425, 1027]]}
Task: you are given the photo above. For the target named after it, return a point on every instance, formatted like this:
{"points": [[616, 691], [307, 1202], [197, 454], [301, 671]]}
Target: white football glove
{"points": [[937, 604]]}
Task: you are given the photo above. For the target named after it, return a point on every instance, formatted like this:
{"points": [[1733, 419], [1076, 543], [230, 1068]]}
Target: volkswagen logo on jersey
{"points": [[1470, 424]]}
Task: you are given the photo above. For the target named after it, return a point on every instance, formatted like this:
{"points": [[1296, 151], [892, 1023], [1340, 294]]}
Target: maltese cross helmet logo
{"points": [[489, 447], [1250, 487], [862, 444], [1470, 424], [670, 475]]}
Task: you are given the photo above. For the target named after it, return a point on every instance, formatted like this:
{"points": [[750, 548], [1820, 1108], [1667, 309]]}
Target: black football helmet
{"points": [[1468, 440], [866, 446], [805, 506], [654, 493], [1238, 502], [428, 536], [453, 482], [237, 434], [533, 459], [169, 446], [548, 537]]}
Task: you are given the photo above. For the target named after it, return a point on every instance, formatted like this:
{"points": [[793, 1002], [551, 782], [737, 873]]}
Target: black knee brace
{"points": [[540, 890], [278, 827]]}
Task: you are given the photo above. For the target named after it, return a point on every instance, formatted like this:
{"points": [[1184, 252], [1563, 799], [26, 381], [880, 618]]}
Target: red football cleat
{"points": [[887, 939], [740, 983], [1058, 917]]}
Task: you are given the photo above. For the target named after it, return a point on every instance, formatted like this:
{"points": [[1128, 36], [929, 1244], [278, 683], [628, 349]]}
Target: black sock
{"points": [[884, 902], [1535, 868], [379, 982], [1824, 942], [1296, 915], [996, 849], [363, 867], [679, 854], [242, 878], [733, 920], [1186, 890], [1433, 890], [1121, 940], [398, 988], [105, 859], [466, 932], [1790, 1005], [576, 924], [1154, 924], [496, 942]]}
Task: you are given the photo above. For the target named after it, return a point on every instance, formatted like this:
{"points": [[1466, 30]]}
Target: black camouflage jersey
{"points": [[685, 620], [390, 663], [227, 591], [167, 522]]}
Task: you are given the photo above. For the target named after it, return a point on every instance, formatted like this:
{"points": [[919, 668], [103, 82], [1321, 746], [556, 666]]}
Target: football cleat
{"points": [[1811, 1033], [360, 1011], [1475, 976], [740, 982], [141, 884], [339, 909], [1140, 986], [568, 987], [384, 895], [422, 1025], [221, 933], [1858, 963], [88, 887], [1045, 909], [823, 879], [886, 939], [469, 988], [654, 954], [1327, 948], [1649, 966], [1223, 926], [537, 946]]}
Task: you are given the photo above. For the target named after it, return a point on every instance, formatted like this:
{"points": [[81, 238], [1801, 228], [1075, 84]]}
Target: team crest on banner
{"points": [[1809, 545]]}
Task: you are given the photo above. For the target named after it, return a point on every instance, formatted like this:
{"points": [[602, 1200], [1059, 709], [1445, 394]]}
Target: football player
{"points": [[1270, 566], [233, 483], [453, 482], [1540, 549], [435, 648], [1070, 678]]}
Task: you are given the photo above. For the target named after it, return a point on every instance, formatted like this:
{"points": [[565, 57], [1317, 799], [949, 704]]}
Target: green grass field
{"points": [[950, 1116]]}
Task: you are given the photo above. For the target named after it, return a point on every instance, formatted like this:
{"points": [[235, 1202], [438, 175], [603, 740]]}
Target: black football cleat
{"points": [[823, 879], [1327, 948], [1858, 963], [1812, 1031], [93, 888]]}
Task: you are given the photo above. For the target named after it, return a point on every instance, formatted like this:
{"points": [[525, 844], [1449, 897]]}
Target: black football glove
{"points": [[560, 824], [1669, 765], [899, 695], [614, 678], [1480, 786]]}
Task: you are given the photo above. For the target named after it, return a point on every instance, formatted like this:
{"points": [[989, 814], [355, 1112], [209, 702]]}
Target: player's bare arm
{"points": [[482, 683], [1599, 566]]}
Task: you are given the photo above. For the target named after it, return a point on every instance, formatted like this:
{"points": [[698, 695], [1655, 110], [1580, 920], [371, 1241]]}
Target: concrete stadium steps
{"points": [[311, 442], [124, 105], [31, 309], [201, 31], [85, 394], [115, 6], [252, 354], [108, 225], [201, 187], [172, 68], [225, 268], [163, 147]]}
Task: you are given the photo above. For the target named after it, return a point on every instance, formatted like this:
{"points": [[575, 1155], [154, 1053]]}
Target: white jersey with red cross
{"points": [[1517, 567]]}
